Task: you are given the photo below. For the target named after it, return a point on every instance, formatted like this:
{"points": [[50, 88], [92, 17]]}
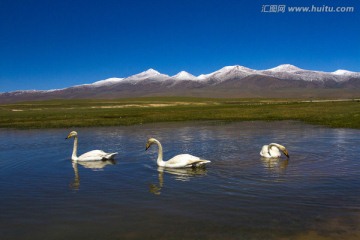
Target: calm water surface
{"points": [[314, 195]]}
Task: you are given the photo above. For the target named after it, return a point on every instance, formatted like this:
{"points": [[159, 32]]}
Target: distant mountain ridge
{"points": [[231, 81]]}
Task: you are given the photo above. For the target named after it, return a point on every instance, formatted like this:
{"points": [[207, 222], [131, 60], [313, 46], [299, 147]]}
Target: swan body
{"points": [[179, 161], [95, 155], [273, 150]]}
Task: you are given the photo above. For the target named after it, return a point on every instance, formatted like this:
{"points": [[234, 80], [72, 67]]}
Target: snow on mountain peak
{"points": [[242, 68], [147, 73], [285, 68], [107, 81], [151, 71], [202, 76], [184, 76], [235, 68], [228, 72], [342, 72]]}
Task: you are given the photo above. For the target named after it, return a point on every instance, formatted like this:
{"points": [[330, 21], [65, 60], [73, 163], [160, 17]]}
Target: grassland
{"points": [[88, 113]]}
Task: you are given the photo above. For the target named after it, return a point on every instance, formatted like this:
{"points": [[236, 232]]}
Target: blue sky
{"points": [[54, 44]]}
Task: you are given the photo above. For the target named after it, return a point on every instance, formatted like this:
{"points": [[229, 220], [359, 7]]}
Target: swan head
{"points": [[285, 152], [72, 134], [150, 142], [281, 148]]}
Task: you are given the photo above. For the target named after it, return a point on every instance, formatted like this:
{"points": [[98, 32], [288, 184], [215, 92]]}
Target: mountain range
{"points": [[283, 81]]}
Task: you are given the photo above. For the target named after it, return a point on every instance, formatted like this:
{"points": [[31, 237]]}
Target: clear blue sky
{"points": [[46, 44]]}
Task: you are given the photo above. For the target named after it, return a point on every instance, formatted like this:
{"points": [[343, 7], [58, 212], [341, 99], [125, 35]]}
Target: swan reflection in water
{"points": [[180, 174], [94, 165], [275, 164]]}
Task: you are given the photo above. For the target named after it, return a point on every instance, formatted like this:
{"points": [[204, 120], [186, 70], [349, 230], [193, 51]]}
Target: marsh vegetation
{"points": [[90, 112]]}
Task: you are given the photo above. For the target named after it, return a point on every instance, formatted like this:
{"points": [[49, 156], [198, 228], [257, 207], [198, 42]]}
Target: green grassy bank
{"points": [[88, 113]]}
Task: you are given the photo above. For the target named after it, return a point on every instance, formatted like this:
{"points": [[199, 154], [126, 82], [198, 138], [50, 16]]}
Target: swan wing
{"points": [[264, 152], [273, 152], [185, 160], [96, 155]]}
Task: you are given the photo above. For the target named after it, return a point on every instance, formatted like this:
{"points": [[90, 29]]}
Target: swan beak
{"points": [[286, 153], [147, 146]]}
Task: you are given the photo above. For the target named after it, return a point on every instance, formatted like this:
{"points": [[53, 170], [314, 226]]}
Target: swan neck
{"points": [[274, 152], [74, 154], [160, 161]]}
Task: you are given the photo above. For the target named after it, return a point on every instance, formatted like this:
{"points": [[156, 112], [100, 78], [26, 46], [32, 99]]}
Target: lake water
{"points": [[313, 195]]}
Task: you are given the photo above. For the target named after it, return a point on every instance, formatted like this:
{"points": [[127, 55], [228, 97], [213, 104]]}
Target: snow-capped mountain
{"points": [[290, 72], [342, 72], [226, 73], [285, 68], [149, 74], [184, 76], [229, 81], [109, 81]]}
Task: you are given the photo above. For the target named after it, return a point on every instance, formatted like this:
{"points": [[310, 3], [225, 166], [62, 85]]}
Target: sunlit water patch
{"points": [[314, 194]]}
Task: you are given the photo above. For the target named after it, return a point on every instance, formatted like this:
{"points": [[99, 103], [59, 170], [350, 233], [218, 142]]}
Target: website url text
{"points": [[308, 9]]}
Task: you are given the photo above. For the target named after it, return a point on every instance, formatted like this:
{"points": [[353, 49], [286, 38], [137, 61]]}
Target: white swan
{"points": [[95, 155], [179, 161], [273, 151]]}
